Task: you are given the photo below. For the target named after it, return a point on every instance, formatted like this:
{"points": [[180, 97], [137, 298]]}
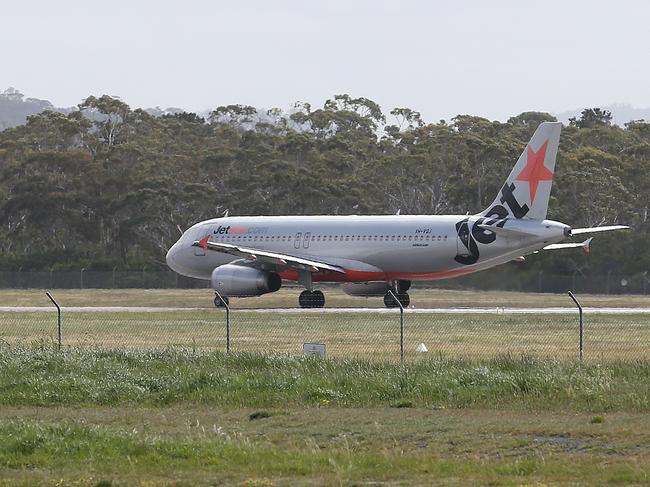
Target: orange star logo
{"points": [[535, 170]]}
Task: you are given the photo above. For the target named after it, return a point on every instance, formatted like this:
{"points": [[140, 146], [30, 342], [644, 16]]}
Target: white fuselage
{"points": [[369, 248]]}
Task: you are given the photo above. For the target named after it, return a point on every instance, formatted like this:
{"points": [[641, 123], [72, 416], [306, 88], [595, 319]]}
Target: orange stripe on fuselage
{"points": [[364, 276]]}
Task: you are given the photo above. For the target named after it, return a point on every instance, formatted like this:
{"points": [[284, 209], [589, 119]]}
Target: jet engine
{"points": [[239, 281], [365, 288]]}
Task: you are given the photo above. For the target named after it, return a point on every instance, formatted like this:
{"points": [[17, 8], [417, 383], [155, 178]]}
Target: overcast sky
{"points": [[489, 58]]}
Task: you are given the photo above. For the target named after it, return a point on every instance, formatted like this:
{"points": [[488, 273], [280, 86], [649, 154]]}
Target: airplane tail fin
{"points": [[526, 192]]}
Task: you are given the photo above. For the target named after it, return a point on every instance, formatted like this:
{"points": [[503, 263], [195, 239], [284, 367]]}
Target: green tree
{"points": [[592, 117]]}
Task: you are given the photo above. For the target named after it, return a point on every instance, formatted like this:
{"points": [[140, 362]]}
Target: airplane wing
{"points": [[579, 231], [584, 245], [263, 256]]}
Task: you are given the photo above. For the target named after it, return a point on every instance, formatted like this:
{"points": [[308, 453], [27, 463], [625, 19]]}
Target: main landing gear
{"points": [[399, 288], [311, 299]]}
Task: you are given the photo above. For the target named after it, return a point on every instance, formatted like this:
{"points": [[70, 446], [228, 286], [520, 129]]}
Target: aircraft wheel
{"points": [[315, 299], [318, 299], [219, 303], [304, 300], [404, 299], [389, 301]]}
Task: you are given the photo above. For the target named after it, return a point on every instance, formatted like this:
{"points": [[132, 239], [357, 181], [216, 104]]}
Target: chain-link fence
{"points": [[368, 334], [504, 278]]}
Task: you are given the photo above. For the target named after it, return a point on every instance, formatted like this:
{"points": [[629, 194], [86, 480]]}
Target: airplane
{"points": [[370, 255]]}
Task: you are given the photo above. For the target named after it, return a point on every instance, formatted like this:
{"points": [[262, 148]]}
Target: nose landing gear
{"points": [[311, 299]]}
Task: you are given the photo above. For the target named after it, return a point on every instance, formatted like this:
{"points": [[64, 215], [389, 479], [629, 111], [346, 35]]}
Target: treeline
{"points": [[15, 108], [107, 186]]}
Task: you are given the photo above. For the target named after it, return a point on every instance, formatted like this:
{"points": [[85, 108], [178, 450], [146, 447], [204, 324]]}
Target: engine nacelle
{"points": [[365, 288], [239, 281]]}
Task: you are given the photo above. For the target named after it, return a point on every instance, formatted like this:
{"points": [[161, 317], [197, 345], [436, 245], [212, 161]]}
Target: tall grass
{"points": [[40, 375]]}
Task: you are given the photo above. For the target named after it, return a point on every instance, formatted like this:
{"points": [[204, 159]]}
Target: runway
{"points": [[485, 310]]}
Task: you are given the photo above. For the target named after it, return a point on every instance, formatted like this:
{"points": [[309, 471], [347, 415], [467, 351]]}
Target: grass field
{"points": [[288, 297], [84, 417], [370, 336], [150, 399]]}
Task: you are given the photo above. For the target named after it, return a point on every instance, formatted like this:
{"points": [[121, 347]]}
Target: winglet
{"points": [[586, 244], [204, 242]]}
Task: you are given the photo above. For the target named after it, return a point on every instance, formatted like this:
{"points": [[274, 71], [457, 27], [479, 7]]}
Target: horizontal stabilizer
{"points": [[576, 245], [579, 231]]}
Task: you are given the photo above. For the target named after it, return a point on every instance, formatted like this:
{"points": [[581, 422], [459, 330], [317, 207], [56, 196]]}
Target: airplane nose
{"points": [[171, 257]]}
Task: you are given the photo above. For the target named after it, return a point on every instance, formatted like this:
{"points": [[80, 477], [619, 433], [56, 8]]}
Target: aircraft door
{"points": [[296, 242], [307, 239]]}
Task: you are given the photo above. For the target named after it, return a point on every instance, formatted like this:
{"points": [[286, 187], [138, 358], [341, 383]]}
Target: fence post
{"points": [[225, 304], [401, 326], [58, 315], [581, 328], [81, 278]]}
